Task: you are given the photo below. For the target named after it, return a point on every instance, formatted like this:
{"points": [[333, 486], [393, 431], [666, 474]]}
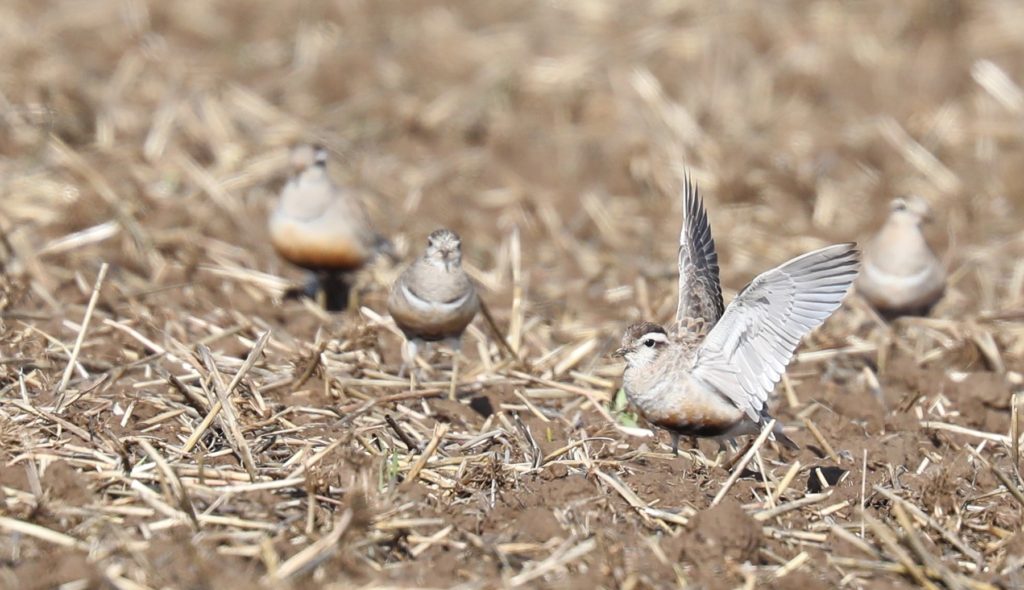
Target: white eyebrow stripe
{"points": [[658, 336]]}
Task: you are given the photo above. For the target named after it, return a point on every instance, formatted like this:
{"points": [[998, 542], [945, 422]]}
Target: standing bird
{"points": [[433, 299], [323, 228], [902, 276], [710, 376]]}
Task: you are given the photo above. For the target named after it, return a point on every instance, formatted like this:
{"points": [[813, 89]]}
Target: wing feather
{"points": [[700, 293], [747, 351]]}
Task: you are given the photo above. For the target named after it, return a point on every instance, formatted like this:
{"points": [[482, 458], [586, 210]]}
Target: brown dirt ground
{"points": [[552, 136]]}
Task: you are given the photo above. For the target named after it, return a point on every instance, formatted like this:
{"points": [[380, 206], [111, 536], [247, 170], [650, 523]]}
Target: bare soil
{"points": [[153, 137]]}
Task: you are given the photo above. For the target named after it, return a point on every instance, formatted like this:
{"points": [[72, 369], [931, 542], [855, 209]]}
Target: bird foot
{"points": [[732, 461]]}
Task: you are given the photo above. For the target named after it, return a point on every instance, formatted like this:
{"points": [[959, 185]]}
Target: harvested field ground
{"points": [[189, 427]]}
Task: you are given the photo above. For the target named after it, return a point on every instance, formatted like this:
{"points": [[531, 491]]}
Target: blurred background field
{"points": [[552, 136]]}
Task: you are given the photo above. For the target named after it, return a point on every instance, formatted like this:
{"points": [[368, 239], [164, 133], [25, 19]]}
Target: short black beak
{"points": [[619, 353]]}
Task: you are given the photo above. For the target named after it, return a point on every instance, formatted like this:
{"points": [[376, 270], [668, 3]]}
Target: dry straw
{"points": [[169, 419]]}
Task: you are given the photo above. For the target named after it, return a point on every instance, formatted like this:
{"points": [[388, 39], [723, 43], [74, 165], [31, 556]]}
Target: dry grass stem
{"points": [[175, 412]]}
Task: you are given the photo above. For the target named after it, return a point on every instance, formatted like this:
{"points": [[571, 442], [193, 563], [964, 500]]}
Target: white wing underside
{"points": [[747, 351]]}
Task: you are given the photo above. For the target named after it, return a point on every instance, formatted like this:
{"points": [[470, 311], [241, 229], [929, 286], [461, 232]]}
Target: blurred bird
{"points": [[434, 299], [902, 276], [710, 376], [323, 228]]}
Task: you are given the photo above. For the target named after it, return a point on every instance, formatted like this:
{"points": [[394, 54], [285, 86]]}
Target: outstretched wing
{"points": [[700, 293], [745, 354]]}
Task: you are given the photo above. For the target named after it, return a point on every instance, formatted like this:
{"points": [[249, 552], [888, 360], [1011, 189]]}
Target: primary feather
{"points": [[700, 293], [747, 351]]}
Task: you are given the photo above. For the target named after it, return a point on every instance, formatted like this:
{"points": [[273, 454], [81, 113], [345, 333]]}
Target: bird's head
{"points": [[642, 343], [444, 248], [910, 209], [305, 155]]}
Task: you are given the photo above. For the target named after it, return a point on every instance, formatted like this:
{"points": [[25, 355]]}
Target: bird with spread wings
{"points": [[712, 373]]}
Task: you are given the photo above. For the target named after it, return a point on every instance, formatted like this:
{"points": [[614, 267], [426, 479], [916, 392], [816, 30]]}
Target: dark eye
{"points": [[649, 343]]}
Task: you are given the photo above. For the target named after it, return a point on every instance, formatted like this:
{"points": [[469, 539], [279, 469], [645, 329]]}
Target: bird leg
{"points": [[675, 443], [455, 376], [428, 357], [408, 356], [728, 465], [409, 348], [454, 343], [455, 346], [336, 288]]}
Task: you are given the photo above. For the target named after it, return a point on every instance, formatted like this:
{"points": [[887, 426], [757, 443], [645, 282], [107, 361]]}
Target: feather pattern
{"points": [[747, 351], [700, 292]]}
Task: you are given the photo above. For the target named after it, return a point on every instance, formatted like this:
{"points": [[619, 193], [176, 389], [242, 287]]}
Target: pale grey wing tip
{"points": [[851, 250], [850, 259], [843, 249], [836, 256]]}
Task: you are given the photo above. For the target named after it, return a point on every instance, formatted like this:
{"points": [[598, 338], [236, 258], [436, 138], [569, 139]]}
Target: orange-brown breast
{"points": [[694, 418], [316, 250]]}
